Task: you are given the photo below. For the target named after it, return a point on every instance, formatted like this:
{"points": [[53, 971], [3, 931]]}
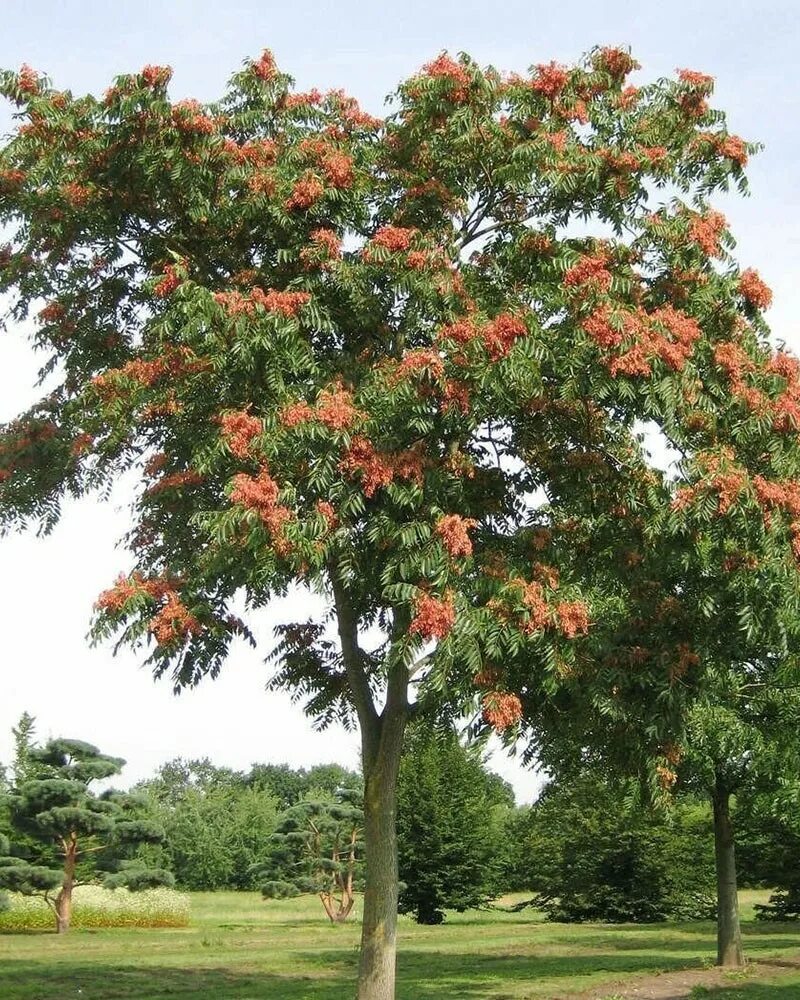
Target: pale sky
{"points": [[47, 586]]}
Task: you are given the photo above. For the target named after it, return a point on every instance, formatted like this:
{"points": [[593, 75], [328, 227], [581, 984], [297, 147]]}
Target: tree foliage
{"points": [[405, 361], [450, 826], [72, 825]]}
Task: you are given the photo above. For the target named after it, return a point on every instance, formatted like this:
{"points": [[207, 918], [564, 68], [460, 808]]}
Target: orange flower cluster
{"points": [[174, 481], [589, 270], [156, 76], [190, 116], [550, 80], [78, 195], [433, 618], [173, 623], [694, 79], [445, 68], [501, 334], [420, 360], [238, 429], [326, 509], [306, 192], [501, 710], [265, 69], [754, 290], [258, 152], [573, 618], [327, 241], [28, 80], [453, 530], [705, 231], [175, 362], [128, 587], [539, 616], [283, 303], [260, 493], [378, 469], [393, 238], [456, 396], [334, 408], [168, 283], [616, 62], [778, 495]]}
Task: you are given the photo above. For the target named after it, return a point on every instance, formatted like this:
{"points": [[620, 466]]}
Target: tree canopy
{"points": [[406, 362]]}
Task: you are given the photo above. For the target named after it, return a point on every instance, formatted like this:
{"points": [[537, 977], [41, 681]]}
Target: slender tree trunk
{"points": [[381, 746], [63, 905], [729, 934], [376, 971]]}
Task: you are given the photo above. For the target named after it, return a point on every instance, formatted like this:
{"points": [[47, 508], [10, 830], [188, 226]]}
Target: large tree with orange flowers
{"points": [[401, 362]]}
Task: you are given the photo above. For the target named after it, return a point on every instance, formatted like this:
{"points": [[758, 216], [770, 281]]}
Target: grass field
{"points": [[239, 948]]}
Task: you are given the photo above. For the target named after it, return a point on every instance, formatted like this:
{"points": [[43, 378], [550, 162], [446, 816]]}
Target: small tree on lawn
{"points": [[320, 844], [449, 829], [356, 354], [73, 825]]}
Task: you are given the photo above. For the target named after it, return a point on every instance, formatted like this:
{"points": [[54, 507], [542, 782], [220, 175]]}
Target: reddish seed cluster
{"points": [[539, 615], [573, 618], [156, 76], [326, 509], [28, 80], [456, 397], [53, 312], [590, 270], [338, 169], [296, 413], [307, 98], [393, 238], [433, 617], [282, 303], [238, 430], [500, 335], [754, 290], [126, 588], [601, 329], [420, 360], [778, 495], [445, 68], [550, 80], [256, 152], [453, 531], [175, 481], [335, 408], [705, 231], [501, 710], [666, 777], [76, 194], [694, 79], [378, 469], [327, 241], [173, 623], [176, 362], [167, 285], [189, 116], [306, 192], [260, 493], [265, 69], [616, 62]]}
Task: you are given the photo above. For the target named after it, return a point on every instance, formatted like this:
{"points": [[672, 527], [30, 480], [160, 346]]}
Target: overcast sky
{"points": [[47, 586]]}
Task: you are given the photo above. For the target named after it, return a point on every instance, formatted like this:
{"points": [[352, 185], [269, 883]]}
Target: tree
{"points": [[744, 743], [319, 843], [73, 824], [448, 826], [22, 766], [357, 355], [592, 850], [217, 828]]}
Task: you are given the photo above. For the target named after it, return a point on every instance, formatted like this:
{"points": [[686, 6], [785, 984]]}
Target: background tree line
{"points": [[589, 848]]}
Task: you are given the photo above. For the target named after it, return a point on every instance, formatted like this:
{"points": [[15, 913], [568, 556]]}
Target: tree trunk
{"points": [[376, 970], [729, 934], [381, 746], [63, 907]]}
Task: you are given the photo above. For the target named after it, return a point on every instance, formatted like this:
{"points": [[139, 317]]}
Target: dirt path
{"points": [[679, 985]]}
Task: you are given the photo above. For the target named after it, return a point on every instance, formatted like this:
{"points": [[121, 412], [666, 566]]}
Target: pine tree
{"points": [[73, 824]]}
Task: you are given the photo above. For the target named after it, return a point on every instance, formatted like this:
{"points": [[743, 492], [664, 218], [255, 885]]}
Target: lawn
{"points": [[239, 948]]}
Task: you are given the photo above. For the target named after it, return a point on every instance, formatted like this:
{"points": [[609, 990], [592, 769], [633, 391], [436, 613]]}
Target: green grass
{"points": [[239, 948]]}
